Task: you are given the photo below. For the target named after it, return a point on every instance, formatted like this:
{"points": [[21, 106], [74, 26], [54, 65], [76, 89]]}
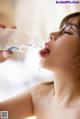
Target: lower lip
{"points": [[43, 54]]}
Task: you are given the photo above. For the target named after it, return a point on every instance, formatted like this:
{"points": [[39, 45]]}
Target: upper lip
{"points": [[46, 46], [45, 49]]}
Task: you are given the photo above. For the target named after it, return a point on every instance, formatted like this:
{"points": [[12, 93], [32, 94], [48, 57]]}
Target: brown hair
{"points": [[65, 19], [68, 17]]}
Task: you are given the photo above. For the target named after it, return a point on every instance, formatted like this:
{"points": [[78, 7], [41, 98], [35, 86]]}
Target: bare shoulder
{"points": [[43, 89]]}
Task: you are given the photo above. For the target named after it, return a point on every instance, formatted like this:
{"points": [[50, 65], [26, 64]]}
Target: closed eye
{"points": [[63, 32], [67, 32], [67, 29]]}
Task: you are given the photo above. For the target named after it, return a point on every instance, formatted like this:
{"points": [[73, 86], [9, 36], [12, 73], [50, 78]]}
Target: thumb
{"points": [[4, 54]]}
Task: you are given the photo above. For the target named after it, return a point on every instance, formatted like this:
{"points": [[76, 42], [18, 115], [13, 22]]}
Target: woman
{"points": [[61, 99]]}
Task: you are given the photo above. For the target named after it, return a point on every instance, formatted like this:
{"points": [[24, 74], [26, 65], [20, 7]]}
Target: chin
{"points": [[44, 64]]}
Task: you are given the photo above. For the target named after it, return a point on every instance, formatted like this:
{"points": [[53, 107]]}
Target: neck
{"points": [[67, 87]]}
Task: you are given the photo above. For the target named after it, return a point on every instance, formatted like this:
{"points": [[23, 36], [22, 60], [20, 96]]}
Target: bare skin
{"points": [[47, 107], [42, 103], [60, 100]]}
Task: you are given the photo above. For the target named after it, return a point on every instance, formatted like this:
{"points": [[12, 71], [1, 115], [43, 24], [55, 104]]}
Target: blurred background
{"points": [[39, 17]]}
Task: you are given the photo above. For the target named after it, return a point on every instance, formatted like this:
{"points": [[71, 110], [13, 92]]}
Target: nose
{"points": [[53, 36]]}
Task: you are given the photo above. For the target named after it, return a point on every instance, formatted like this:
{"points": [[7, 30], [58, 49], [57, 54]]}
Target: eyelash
{"points": [[67, 32]]}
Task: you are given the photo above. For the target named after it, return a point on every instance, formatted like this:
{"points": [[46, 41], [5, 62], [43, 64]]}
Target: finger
{"points": [[2, 58], [5, 54], [2, 26]]}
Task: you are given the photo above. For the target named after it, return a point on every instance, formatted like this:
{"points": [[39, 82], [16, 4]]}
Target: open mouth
{"points": [[44, 52]]}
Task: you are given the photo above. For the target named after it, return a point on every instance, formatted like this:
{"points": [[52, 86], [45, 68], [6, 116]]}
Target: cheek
{"points": [[67, 46], [63, 50]]}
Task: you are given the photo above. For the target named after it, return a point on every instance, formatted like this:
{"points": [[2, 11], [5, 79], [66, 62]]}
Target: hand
{"points": [[4, 54]]}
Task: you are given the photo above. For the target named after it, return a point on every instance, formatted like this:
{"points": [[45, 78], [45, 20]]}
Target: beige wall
{"points": [[40, 17]]}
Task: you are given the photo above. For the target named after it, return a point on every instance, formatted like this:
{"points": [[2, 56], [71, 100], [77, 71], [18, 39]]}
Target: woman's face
{"points": [[60, 51]]}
